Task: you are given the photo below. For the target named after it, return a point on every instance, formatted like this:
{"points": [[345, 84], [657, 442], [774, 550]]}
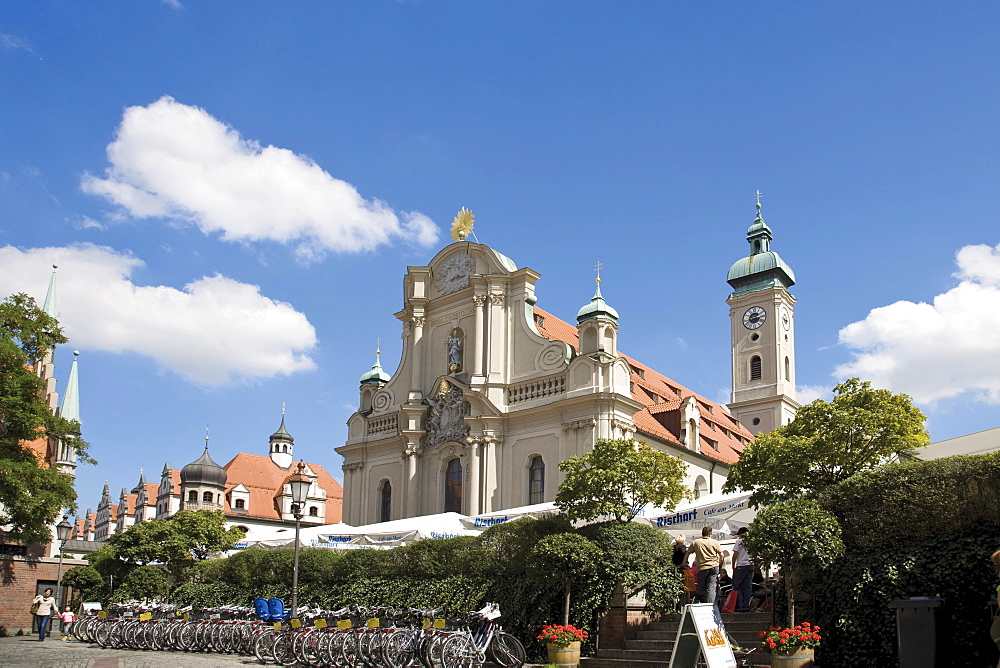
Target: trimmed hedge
{"points": [[911, 529], [456, 575]]}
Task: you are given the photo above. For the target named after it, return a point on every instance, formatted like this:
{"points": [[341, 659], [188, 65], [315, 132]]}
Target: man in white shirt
{"points": [[742, 573]]}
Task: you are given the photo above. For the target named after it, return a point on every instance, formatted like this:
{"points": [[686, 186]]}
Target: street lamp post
{"points": [[299, 484], [63, 530]]}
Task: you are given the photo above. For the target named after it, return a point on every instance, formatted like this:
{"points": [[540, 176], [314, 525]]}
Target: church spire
{"points": [[51, 306], [376, 376], [282, 444], [759, 234], [71, 399]]}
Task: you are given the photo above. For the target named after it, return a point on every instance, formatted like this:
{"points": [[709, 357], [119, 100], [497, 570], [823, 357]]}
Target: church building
{"points": [[492, 392]]}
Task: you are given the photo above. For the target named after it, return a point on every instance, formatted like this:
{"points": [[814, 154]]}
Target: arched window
{"points": [[385, 502], [242, 528], [788, 369], [193, 496], [453, 487], [313, 511], [536, 480], [700, 487], [755, 368], [206, 497], [240, 504]]}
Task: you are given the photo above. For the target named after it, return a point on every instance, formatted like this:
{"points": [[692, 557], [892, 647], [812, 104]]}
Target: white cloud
{"points": [[170, 160], [213, 332], [936, 351], [15, 42]]}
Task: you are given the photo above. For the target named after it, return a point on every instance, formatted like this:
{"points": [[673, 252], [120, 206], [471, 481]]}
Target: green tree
{"points": [[32, 495], [565, 557], [827, 442], [145, 582], [180, 542], [797, 535], [86, 581], [617, 478]]}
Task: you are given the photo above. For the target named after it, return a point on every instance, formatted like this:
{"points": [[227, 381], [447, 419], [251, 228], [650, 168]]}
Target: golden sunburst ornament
{"points": [[462, 225]]}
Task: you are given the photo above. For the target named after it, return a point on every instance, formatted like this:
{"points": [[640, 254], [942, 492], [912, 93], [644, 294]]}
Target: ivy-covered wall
{"points": [[911, 529]]}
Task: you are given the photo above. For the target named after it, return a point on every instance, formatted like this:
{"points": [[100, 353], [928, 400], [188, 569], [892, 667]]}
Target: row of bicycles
{"points": [[354, 636]]}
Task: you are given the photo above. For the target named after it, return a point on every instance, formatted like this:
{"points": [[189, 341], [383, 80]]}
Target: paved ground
{"points": [[53, 653], [27, 651]]}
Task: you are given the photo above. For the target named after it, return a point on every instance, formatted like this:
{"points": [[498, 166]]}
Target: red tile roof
{"points": [[264, 480], [722, 436]]}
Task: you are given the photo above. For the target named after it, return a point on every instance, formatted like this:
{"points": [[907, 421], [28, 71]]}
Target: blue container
{"points": [[277, 609], [261, 608]]}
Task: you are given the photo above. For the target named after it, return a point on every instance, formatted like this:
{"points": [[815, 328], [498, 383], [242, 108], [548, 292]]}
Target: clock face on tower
{"points": [[786, 320], [754, 317]]}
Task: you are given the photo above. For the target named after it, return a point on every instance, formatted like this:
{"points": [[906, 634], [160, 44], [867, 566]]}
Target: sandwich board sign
{"points": [[701, 635]]}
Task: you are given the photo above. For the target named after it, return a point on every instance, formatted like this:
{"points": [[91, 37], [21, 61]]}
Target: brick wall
{"points": [[19, 576]]}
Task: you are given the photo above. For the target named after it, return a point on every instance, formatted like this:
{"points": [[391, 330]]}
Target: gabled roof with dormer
{"points": [[264, 479], [722, 436]]}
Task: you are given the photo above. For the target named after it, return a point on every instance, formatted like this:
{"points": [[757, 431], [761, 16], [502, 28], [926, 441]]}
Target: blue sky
{"points": [[233, 191]]}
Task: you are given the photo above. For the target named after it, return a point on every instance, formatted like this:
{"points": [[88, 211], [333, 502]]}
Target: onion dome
{"points": [[376, 375], [203, 471], [763, 268], [597, 307], [282, 434]]}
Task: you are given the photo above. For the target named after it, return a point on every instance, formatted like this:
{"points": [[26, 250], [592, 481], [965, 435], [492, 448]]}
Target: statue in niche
{"points": [[446, 419], [455, 351]]}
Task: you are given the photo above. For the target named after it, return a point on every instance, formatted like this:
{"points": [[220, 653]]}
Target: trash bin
{"points": [[919, 628]]}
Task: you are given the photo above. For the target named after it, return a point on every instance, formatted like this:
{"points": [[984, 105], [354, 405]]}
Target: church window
{"points": [[192, 496], [536, 480], [700, 487], [788, 369], [240, 504], [756, 421], [385, 502], [755, 368], [313, 511], [206, 497], [453, 487]]}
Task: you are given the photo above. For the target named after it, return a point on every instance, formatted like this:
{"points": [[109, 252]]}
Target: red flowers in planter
{"points": [[780, 640], [561, 636]]}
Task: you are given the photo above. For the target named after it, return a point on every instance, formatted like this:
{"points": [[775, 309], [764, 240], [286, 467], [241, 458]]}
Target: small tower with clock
{"points": [[762, 322]]}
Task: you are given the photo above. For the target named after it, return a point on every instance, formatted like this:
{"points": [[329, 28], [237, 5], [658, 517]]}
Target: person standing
{"points": [[43, 613], [68, 619], [707, 558], [742, 573]]}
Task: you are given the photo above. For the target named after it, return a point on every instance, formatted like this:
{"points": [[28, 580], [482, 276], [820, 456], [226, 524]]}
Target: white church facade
{"points": [[492, 392]]}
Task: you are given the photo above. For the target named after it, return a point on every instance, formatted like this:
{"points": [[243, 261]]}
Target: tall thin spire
{"points": [[71, 399], [51, 306]]}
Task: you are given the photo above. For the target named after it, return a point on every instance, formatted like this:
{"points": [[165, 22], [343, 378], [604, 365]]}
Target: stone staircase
{"points": [[651, 645]]}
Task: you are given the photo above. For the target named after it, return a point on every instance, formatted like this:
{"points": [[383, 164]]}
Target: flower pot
{"points": [[800, 658], [564, 656]]}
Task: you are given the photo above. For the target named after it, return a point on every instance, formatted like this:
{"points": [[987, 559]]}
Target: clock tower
{"points": [[762, 322]]}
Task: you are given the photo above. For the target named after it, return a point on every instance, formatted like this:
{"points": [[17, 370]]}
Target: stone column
{"points": [[472, 476], [410, 481], [496, 352], [480, 335], [416, 376]]}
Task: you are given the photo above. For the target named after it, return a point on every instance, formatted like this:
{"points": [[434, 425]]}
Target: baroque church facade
{"points": [[492, 392]]}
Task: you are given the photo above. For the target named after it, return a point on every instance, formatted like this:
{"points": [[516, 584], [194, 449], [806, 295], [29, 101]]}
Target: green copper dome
{"points": [[376, 375], [763, 268], [596, 307]]}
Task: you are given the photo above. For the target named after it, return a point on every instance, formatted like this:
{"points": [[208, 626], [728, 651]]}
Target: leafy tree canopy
{"points": [[85, 581], [179, 542], [617, 478], [145, 582], [828, 442], [32, 495]]}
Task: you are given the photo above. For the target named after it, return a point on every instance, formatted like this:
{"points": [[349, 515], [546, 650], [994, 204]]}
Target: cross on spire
{"points": [[597, 268], [378, 346], [757, 197], [206, 437]]}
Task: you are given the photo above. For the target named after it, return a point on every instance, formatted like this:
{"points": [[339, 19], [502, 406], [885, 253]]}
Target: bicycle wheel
{"points": [[400, 650], [507, 651], [262, 646], [459, 651], [282, 650]]}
